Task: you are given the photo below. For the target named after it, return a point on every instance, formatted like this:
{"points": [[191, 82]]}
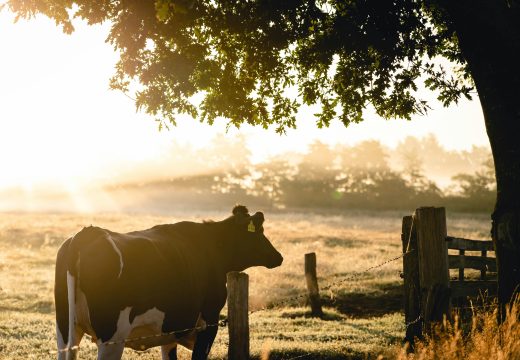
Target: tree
{"points": [[368, 155], [258, 61], [317, 163], [480, 185], [410, 151], [271, 180]]}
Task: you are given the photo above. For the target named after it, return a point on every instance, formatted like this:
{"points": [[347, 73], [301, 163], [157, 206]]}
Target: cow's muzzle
{"points": [[277, 261]]}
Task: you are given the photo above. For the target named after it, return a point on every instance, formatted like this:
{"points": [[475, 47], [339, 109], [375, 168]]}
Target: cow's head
{"points": [[249, 246]]}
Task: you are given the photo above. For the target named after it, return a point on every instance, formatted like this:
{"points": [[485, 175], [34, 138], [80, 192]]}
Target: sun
{"points": [[59, 122]]}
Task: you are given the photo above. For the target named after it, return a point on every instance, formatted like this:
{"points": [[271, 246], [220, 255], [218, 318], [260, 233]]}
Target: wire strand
{"points": [[223, 323]]}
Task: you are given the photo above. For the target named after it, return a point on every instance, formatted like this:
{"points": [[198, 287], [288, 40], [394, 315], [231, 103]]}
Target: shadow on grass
{"points": [[327, 316], [386, 300]]}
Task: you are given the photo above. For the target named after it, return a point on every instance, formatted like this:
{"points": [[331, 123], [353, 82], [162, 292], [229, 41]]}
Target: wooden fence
{"points": [[428, 288]]}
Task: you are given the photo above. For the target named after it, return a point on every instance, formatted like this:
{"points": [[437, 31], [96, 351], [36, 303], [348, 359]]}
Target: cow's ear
{"points": [[258, 220]]}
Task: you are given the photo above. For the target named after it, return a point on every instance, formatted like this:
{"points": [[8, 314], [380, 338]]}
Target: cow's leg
{"points": [[62, 345], [169, 352], [109, 351], [203, 343], [69, 351]]}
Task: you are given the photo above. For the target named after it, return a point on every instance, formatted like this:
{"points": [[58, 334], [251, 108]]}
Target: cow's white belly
{"points": [[145, 331]]}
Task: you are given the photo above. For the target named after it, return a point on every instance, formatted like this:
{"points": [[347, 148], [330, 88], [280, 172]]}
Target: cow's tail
{"points": [[72, 277], [71, 297], [73, 258], [65, 299], [60, 300]]}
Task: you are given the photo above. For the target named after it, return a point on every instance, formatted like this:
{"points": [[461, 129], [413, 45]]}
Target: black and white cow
{"points": [[131, 289]]}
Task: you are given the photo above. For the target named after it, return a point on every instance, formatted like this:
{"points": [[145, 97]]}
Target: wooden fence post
{"points": [[238, 320], [312, 284], [412, 298], [433, 264], [483, 271]]}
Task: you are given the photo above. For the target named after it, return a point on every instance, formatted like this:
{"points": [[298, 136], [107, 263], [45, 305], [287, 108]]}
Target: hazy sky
{"points": [[59, 122]]}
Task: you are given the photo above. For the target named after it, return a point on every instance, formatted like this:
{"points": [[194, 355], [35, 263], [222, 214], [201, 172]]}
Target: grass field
{"points": [[363, 316]]}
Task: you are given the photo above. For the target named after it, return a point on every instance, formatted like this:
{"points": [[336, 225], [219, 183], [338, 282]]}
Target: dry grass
{"points": [[363, 316], [485, 339]]}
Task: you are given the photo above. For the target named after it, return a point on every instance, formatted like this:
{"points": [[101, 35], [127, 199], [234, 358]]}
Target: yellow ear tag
{"points": [[251, 227]]}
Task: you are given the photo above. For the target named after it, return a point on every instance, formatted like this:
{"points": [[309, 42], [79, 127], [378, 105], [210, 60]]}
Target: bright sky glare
{"points": [[61, 125]]}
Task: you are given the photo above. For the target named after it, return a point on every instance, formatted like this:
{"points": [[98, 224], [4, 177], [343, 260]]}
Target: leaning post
{"points": [[412, 297], [238, 320], [312, 284]]}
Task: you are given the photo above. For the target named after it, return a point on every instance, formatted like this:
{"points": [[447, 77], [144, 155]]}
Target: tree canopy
{"points": [[258, 62]]}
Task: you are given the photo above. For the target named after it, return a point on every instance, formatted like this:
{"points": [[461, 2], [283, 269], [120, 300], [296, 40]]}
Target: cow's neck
{"points": [[224, 252]]}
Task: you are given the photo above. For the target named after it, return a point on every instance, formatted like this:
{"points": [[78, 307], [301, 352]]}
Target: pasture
{"points": [[363, 316]]}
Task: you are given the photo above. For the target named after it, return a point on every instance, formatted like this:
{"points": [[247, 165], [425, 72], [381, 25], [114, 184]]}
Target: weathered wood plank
{"points": [[472, 262], [433, 254], [468, 244], [472, 288], [438, 305]]}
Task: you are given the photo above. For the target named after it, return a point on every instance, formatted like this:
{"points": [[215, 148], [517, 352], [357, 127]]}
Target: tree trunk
{"points": [[489, 37]]}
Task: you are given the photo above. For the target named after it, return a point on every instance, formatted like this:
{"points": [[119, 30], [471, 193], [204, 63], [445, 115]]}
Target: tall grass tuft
{"points": [[483, 338]]}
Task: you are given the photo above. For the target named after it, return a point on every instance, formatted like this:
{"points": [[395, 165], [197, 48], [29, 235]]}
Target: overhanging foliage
{"points": [[259, 61]]}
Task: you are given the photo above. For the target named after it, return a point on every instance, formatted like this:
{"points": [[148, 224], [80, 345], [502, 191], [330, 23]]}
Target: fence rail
{"points": [[472, 262], [468, 244]]}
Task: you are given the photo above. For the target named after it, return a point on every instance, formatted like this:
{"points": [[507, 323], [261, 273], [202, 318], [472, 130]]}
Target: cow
{"points": [[162, 286]]}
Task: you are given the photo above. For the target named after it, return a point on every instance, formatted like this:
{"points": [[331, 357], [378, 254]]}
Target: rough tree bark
{"points": [[489, 37]]}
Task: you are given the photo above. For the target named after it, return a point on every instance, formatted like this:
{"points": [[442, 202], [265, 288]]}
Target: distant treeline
{"points": [[365, 176]]}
